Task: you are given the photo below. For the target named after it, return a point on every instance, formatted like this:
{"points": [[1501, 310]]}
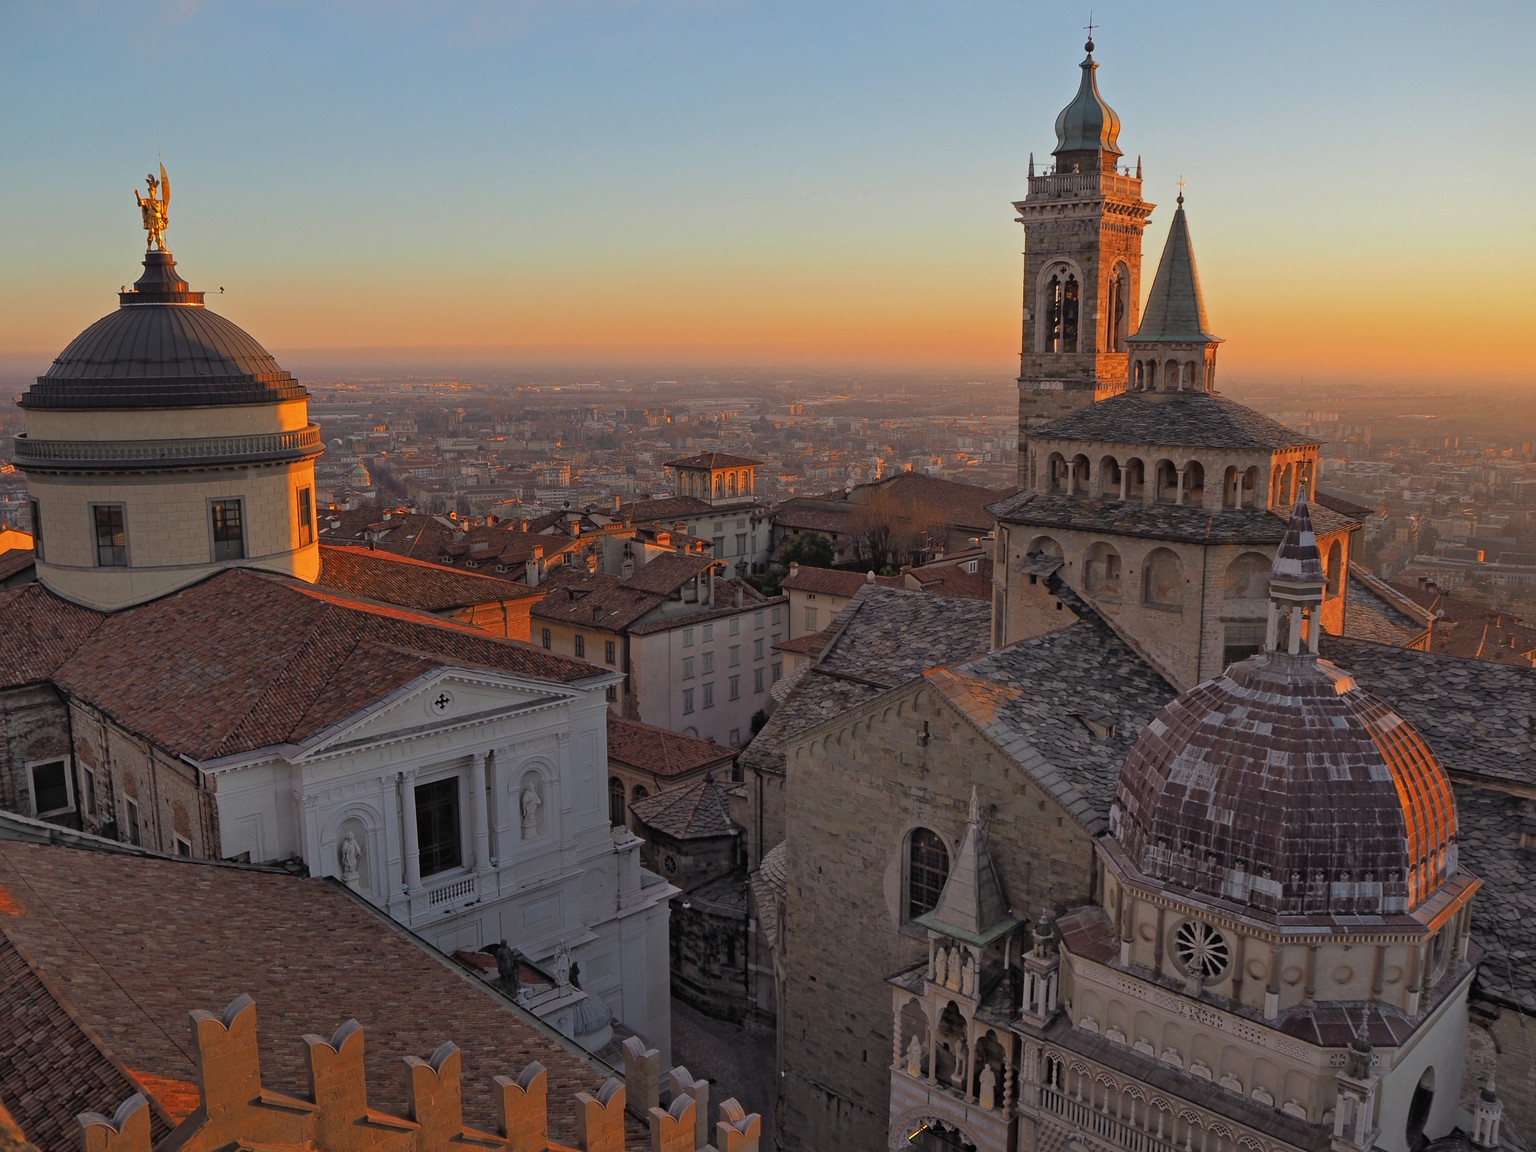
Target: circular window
{"points": [[1201, 950]]}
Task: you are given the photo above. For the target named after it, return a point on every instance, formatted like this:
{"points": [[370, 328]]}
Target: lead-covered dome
{"points": [[1087, 124], [162, 349], [1283, 785]]}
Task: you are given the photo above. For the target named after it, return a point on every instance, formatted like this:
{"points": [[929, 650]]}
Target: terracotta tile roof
{"points": [[667, 509], [40, 632], [831, 581], [960, 505], [244, 660], [594, 600], [713, 460], [15, 561], [668, 572], [661, 752], [52, 1068], [383, 576], [725, 598], [146, 940], [805, 518], [697, 811], [953, 580]]}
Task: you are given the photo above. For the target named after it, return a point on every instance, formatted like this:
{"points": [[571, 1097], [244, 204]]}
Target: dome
{"points": [[1088, 124], [162, 349], [1283, 785]]}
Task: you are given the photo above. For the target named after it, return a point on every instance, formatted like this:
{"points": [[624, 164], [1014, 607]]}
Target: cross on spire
{"points": [[1181, 188], [1090, 25]]}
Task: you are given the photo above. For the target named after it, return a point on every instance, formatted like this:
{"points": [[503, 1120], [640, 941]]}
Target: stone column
{"points": [[411, 841], [477, 812]]}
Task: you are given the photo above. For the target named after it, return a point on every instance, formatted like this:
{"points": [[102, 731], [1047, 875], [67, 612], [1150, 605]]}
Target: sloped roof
{"points": [[596, 600], [668, 572], [713, 460], [832, 581], [145, 940], [666, 509], [972, 906], [246, 660], [383, 576], [881, 638], [15, 561], [1158, 521], [1175, 308], [1172, 419], [697, 811], [662, 752]]}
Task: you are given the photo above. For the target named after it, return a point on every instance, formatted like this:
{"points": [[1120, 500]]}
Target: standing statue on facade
{"points": [[915, 1058], [506, 966], [351, 855], [155, 209], [940, 959], [530, 804]]}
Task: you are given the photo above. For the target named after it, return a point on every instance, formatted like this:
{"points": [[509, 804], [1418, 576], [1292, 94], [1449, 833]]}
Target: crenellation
{"points": [[234, 1110]]}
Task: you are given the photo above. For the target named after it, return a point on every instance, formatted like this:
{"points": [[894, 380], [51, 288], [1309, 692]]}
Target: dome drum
{"points": [[156, 455]]}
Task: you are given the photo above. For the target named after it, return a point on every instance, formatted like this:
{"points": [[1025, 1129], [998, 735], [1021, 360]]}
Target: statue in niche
{"points": [[988, 1087], [940, 964], [350, 857], [915, 1057], [529, 803], [968, 977], [957, 1078], [563, 966], [953, 979]]}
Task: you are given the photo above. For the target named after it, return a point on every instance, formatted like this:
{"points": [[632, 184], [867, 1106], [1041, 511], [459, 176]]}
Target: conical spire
{"points": [[1297, 560], [1296, 583], [1087, 124], [972, 906], [1175, 309]]}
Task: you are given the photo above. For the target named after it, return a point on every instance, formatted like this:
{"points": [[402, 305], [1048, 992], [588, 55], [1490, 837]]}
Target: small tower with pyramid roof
{"points": [[1083, 219], [953, 1056], [1173, 350]]}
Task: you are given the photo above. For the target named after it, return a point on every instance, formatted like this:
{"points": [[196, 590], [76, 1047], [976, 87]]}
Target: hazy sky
{"points": [[778, 182]]}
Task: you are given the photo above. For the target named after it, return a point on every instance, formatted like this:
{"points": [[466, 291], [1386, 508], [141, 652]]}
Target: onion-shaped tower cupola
{"points": [[1087, 129]]}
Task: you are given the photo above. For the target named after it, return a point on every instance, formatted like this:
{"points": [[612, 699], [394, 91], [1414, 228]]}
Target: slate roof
{"points": [[1493, 825], [1175, 308], [245, 660], [769, 882], [881, 638], [138, 942], [1378, 612], [1172, 419], [1158, 521], [662, 752], [392, 579], [713, 460], [1030, 700], [697, 811]]}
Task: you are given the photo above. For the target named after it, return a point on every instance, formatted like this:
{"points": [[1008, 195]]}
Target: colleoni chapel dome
{"points": [[1284, 786]]}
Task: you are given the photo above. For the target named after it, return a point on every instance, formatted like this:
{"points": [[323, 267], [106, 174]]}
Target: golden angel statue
{"points": [[156, 209]]}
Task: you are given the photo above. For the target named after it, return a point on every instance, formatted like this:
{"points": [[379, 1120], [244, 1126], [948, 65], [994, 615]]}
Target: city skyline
{"points": [[774, 186]]}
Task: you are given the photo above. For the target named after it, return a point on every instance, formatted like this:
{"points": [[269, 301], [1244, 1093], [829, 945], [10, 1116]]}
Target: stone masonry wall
{"points": [[856, 789]]}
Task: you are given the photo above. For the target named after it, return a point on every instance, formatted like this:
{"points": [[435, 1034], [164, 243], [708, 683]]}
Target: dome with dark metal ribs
{"points": [[1283, 785], [162, 349]]}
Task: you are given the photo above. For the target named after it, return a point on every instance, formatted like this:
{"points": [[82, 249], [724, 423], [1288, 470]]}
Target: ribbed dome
{"points": [[1283, 785], [1088, 124], [162, 349]]}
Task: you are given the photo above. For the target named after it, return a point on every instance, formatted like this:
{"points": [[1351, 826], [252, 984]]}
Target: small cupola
{"points": [[1087, 129]]}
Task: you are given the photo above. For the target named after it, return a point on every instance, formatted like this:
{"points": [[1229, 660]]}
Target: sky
{"points": [[777, 184]]}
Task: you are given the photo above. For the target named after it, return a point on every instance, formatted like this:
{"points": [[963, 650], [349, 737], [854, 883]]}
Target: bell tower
{"points": [[1083, 219]]}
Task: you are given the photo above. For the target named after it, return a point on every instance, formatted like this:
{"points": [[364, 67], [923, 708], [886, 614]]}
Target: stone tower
{"points": [[1083, 220], [163, 444]]}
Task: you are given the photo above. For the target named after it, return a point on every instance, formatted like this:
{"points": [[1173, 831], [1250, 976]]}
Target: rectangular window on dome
{"points": [[51, 790], [228, 529], [306, 517], [111, 539]]}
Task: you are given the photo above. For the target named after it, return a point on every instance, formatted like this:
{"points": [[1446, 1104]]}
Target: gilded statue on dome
{"points": [[155, 208]]}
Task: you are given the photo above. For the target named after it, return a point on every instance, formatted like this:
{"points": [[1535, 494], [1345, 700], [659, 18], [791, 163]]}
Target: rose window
{"points": [[1201, 950]]}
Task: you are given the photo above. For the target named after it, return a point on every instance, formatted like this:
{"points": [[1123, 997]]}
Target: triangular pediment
{"points": [[439, 701]]}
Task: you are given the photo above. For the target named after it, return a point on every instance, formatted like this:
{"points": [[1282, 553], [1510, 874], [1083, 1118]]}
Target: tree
{"points": [[809, 548]]}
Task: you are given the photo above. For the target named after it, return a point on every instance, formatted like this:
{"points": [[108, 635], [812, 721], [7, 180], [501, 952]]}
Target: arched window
{"points": [[1077, 474], [1333, 567], [1109, 478], [1248, 577], [1117, 316], [927, 869], [1056, 473], [616, 802], [1061, 307], [1167, 481], [1135, 480], [1194, 483], [1043, 546], [1418, 1108]]}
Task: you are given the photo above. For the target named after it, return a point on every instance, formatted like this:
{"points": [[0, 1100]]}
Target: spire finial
{"points": [[1088, 47], [1181, 190]]}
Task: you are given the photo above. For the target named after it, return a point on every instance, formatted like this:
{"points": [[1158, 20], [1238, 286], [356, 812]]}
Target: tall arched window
{"points": [[927, 869], [1119, 292], [1061, 310]]}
